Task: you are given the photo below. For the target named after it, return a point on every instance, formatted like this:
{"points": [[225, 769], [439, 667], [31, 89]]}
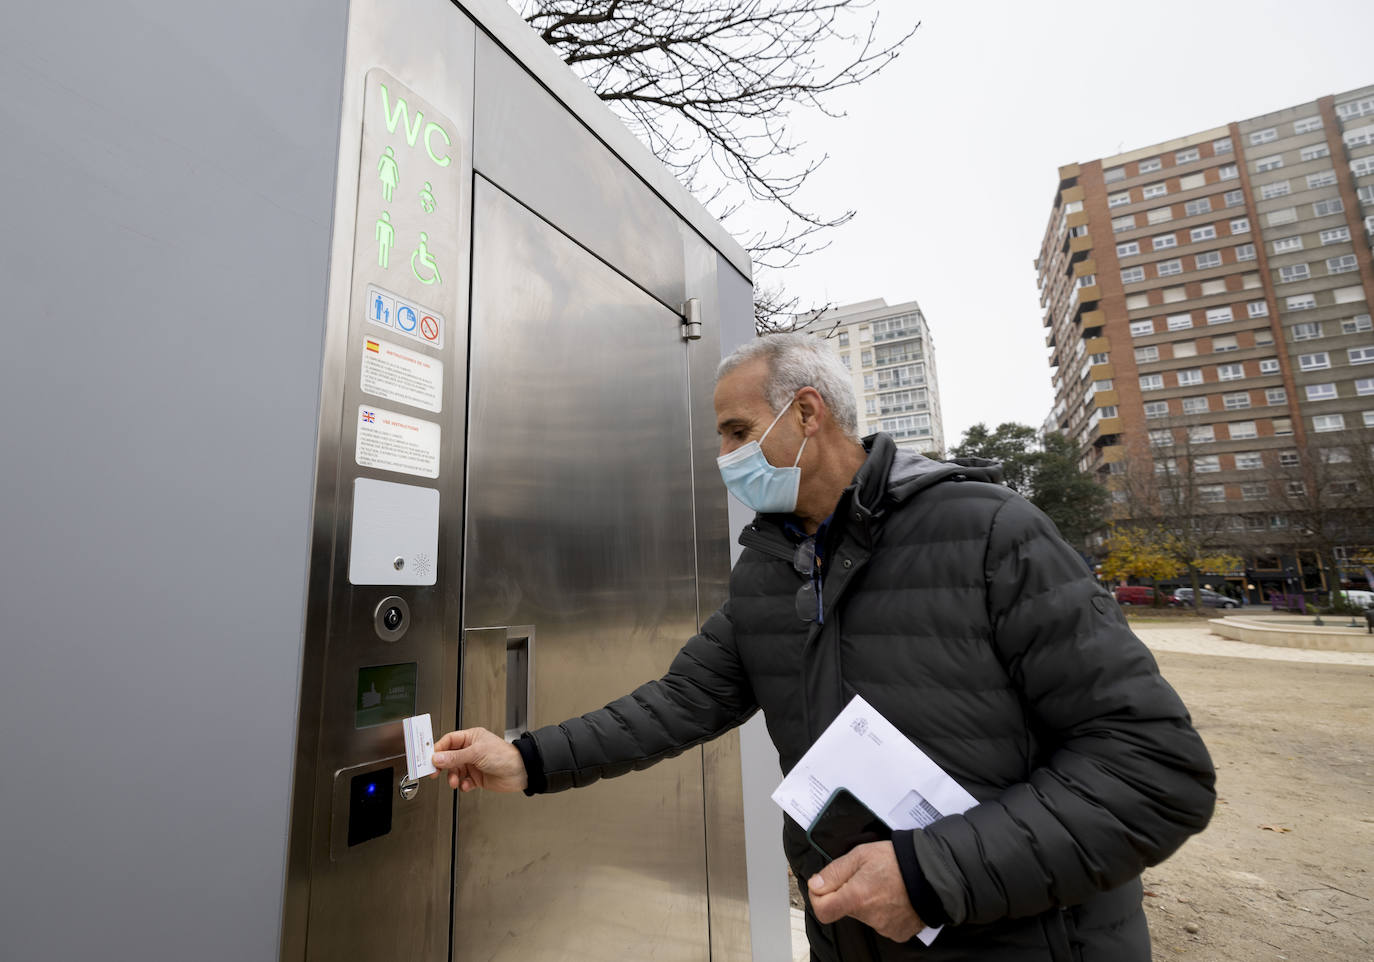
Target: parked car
{"points": [[1137, 595], [1358, 598], [1210, 599]]}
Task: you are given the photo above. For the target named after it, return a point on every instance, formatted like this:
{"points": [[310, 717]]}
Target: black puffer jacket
{"points": [[955, 609]]}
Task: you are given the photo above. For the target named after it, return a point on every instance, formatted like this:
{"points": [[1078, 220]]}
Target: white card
{"points": [[419, 746]]}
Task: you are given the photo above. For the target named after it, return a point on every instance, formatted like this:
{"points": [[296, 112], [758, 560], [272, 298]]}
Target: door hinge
{"points": [[691, 319]]}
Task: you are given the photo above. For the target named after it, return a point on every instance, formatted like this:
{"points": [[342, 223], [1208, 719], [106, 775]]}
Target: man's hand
{"points": [[867, 885], [477, 758]]}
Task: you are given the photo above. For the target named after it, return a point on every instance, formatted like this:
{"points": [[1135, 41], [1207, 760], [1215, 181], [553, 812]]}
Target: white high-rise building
{"points": [[891, 355]]}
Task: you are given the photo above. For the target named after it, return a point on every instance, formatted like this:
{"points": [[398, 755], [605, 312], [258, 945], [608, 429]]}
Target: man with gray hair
{"points": [[953, 607]]}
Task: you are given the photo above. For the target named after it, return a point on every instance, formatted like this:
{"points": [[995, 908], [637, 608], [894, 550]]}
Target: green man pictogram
{"points": [[389, 173], [426, 260], [386, 236]]}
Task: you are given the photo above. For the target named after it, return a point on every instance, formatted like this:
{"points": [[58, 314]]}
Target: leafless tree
{"points": [[709, 86]]}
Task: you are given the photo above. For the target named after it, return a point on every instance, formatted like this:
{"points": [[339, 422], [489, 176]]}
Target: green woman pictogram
{"points": [[389, 173]]}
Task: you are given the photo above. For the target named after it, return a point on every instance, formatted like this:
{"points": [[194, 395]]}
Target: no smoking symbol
{"points": [[429, 328]]}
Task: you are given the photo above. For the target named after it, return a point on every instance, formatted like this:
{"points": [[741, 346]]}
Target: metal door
{"points": [[579, 538]]}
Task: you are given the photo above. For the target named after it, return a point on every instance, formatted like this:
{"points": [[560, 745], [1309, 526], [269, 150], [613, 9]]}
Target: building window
{"points": [[1159, 215], [1278, 188], [1257, 491], [1328, 422], [1218, 315], [1207, 232], [1190, 377], [1315, 152], [1163, 241], [1321, 392], [844, 339], [1275, 395], [1211, 493], [867, 358], [1249, 461], [1287, 215], [1236, 402], [1099, 358], [1265, 164], [1356, 108], [1361, 355], [1269, 365], [1319, 361], [1362, 167], [1286, 244], [845, 359], [1288, 459], [1228, 172], [1123, 223], [1161, 437], [871, 405], [1128, 249], [1364, 386], [1294, 489], [1294, 272], [1202, 434], [1194, 208], [1230, 372], [1307, 125], [1324, 208], [1196, 405], [1301, 302], [1356, 324], [1223, 343], [1335, 235], [1307, 331], [1139, 328], [1349, 295], [1153, 190], [1186, 156], [1185, 349], [1113, 174], [1209, 259], [1169, 268], [1146, 354], [1180, 322], [1264, 337], [1119, 200], [1234, 198], [1132, 275], [1152, 382], [1241, 225], [1245, 252], [1222, 146], [1264, 136], [1359, 136], [1148, 165], [1324, 178], [1104, 385], [1207, 464], [1243, 430], [1341, 265], [868, 382], [1257, 308], [1157, 409]]}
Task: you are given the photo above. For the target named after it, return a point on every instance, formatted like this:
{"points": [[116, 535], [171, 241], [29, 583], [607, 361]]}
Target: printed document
{"points": [[862, 752]]}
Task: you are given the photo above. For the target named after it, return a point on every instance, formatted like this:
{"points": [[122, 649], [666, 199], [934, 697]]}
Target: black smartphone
{"points": [[843, 823]]}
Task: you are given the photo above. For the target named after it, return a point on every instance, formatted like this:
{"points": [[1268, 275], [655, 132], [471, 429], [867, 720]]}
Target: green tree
{"points": [[1073, 500], [1014, 445]]}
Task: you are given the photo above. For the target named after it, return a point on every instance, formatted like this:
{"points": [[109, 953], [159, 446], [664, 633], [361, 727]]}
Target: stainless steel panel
{"points": [[725, 841], [387, 897], [559, 169], [579, 522]]}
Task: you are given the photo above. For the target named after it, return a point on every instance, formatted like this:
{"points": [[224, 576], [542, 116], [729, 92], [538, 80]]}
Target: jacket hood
{"points": [[895, 474]]}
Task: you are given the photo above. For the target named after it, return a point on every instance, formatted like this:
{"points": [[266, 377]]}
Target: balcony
{"points": [[880, 336]]}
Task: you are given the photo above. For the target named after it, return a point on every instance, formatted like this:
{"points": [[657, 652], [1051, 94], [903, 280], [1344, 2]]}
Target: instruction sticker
{"points": [[397, 442], [398, 374], [403, 317]]}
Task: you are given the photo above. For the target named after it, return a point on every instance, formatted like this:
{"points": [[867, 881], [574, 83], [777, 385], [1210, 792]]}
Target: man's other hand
{"points": [[477, 758], [867, 885]]}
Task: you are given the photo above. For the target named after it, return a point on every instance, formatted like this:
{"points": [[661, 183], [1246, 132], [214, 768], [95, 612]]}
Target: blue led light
{"points": [[372, 788]]}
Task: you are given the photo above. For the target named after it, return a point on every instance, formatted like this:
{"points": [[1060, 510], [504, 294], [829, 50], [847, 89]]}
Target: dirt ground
{"points": [[1285, 870]]}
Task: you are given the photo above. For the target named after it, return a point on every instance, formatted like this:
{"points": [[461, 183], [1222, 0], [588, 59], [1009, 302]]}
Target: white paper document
{"points": [[862, 752]]}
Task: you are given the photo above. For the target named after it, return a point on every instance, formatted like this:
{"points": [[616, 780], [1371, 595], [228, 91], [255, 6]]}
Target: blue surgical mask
{"points": [[758, 484]]}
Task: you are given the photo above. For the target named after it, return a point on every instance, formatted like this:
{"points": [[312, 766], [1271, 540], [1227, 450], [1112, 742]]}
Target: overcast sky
{"points": [[950, 155]]}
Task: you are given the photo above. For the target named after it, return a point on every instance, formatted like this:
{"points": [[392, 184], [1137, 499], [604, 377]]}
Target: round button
{"points": [[392, 618]]}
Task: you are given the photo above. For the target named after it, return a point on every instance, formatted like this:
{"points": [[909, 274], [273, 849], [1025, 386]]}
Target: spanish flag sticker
{"points": [[374, 346]]}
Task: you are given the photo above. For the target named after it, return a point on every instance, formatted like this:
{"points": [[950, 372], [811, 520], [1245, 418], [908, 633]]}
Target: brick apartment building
{"points": [[1207, 306]]}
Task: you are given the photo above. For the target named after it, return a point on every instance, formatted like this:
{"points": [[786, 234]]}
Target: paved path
{"points": [[1195, 639], [1185, 638]]}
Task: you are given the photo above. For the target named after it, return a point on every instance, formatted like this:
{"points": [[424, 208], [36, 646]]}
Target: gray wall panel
{"points": [[174, 167]]}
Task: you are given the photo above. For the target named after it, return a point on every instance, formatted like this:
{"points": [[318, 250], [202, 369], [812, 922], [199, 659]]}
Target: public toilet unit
{"points": [[360, 367]]}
